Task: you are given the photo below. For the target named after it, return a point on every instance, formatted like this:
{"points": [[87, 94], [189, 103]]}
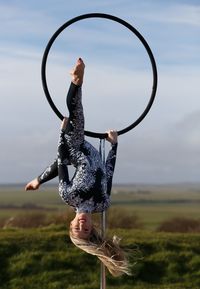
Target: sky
{"points": [[164, 147]]}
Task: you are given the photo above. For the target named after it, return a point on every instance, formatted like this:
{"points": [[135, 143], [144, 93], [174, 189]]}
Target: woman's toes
{"points": [[78, 72]]}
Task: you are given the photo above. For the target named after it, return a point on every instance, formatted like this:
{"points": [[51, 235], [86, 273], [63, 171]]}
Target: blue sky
{"points": [[165, 147]]}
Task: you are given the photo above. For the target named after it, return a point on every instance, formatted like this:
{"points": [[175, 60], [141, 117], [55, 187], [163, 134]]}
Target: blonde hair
{"points": [[108, 251]]}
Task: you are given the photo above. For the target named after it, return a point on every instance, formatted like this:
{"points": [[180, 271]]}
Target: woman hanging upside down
{"points": [[89, 190]]}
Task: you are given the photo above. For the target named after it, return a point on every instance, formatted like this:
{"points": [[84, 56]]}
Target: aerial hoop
{"points": [[135, 32]]}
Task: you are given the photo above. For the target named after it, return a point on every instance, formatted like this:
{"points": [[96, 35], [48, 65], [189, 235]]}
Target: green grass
{"points": [[45, 258]]}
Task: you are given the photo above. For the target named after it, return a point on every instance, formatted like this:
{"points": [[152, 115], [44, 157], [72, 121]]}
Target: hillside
{"points": [[45, 258]]}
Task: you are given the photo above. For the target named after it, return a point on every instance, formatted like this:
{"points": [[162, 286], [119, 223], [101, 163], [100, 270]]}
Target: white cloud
{"points": [[184, 14], [162, 155], [188, 130], [24, 25], [170, 13]]}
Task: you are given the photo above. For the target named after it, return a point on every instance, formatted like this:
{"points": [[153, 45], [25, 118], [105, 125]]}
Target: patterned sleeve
{"points": [[110, 166], [49, 173]]}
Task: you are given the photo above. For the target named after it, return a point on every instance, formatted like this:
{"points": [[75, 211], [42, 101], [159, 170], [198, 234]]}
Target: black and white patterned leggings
{"points": [[92, 179]]}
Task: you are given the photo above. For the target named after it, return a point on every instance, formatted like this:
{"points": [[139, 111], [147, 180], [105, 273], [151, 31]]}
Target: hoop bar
{"points": [[134, 31]]}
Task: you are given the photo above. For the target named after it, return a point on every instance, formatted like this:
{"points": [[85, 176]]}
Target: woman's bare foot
{"points": [[64, 123], [78, 72]]}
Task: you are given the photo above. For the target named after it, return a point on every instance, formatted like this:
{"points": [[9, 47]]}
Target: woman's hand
{"points": [[64, 123], [33, 185], [112, 136]]}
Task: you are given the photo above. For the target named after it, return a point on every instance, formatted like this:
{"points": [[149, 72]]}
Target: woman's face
{"points": [[81, 225]]}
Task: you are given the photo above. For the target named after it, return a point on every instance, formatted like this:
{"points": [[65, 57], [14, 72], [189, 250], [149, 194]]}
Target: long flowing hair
{"points": [[108, 251]]}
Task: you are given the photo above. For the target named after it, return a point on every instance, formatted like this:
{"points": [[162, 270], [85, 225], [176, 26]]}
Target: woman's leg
{"points": [[75, 126], [72, 131]]}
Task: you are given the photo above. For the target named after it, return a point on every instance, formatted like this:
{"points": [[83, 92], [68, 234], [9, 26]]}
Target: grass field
{"points": [[45, 258]]}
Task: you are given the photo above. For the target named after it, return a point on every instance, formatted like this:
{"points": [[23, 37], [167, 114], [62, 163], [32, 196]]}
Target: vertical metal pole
{"points": [[103, 222], [103, 271]]}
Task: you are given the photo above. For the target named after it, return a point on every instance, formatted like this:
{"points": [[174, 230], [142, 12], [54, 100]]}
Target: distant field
{"points": [[151, 204]]}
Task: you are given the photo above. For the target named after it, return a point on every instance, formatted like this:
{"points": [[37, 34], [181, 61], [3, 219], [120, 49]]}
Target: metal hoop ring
{"points": [[134, 31]]}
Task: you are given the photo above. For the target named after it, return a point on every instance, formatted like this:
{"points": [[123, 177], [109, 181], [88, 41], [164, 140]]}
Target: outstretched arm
{"points": [[48, 174], [111, 158]]}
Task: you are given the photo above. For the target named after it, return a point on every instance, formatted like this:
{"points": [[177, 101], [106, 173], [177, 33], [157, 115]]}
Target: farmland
{"points": [[151, 204]]}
